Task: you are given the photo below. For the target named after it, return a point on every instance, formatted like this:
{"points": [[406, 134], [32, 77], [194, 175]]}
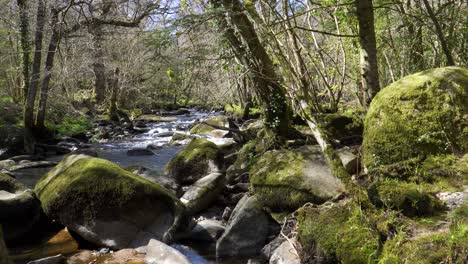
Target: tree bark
{"points": [[440, 34], [267, 84], [35, 77], [99, 67], [114, 85], [368, 51], [25, 44], [49, 64]]}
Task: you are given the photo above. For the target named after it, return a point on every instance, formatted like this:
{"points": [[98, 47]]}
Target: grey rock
{"points": [[160, 253], [20, 209], [5, 164], [58, 259], [139, 152], [203, 192], [285, 254], [206, 231], [246, 231], [33, 164], [350, 161], [28, 157], [164, 134]]}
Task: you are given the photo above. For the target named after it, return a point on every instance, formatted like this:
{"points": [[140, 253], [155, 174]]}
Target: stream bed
{"points": [[116, 151]]}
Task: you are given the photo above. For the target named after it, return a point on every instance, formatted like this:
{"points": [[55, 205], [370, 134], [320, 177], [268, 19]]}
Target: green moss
{"points": [[246, 155], [193, 161], [339, 232], [179, 137], [204, 128], [432, 244], [409, 198], [338, 126], [78, 180], [420, 115], [299, 175]]}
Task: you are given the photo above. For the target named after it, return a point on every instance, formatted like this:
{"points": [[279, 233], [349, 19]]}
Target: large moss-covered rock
{"points": [[337, 233], [287, 179], [420, 115], [20, 210], [107, 205], [196, 160]]}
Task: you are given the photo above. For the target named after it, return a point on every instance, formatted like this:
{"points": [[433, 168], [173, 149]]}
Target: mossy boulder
{"points": [[287, 179], [203, 192], [107, 205], [420, 115], [199, 158], [337, 233], [20, 210], [201, 128], [409, 198]]}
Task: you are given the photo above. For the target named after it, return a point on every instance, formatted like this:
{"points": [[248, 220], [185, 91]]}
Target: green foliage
{"points": [[237, 111], [70, 126]]}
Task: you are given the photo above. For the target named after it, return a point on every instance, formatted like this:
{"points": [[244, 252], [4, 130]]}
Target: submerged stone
{"points": [[20, 210]]}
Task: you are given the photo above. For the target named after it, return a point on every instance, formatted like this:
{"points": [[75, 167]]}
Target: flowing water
{"points": [[116, 151]]}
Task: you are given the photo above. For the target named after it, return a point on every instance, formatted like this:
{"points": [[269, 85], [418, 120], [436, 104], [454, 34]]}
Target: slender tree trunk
{"points": [[368, 64], [25, 44], [35, 77], [114, 85], [99, 67], [49, 64], [440, 34], [268, 88]]}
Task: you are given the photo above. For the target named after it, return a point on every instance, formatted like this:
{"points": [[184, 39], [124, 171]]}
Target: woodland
{"points": [[233, 131]]}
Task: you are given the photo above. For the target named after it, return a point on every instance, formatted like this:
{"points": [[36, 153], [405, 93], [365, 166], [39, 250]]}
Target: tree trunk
{"points": [[25, 44], [49, 64], [99, 67], [114, 85], [440, 34], [267, 85], [368, 64], [35, 77]]}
